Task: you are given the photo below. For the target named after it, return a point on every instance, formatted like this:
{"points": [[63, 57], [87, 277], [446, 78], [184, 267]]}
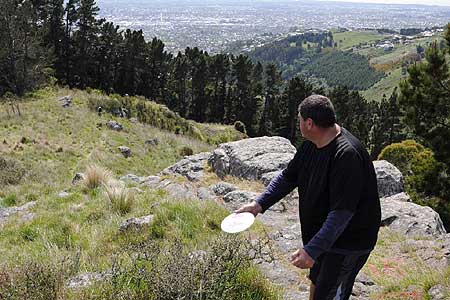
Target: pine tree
{"points": [[219, 70], [270, 114], [131, 62], [298, 89], [22, 59], [54, 32], [243, 106], [85, 39], [106, 57], [199, 69], [425, 99]]}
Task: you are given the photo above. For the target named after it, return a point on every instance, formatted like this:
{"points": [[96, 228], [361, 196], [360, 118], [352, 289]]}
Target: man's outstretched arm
{"points": [[278, 188]]}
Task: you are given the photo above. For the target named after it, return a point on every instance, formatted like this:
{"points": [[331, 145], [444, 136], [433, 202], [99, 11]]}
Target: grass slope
{"points": [[80, 233], [348, 39]]}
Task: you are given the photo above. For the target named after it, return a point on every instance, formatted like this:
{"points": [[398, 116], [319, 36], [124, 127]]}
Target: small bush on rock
{"points": [[186, 151], [239, 126]]}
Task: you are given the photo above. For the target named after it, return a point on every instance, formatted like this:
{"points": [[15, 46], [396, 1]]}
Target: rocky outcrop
{"points": [[114, 125], [438, 292], [131, 178], [152, 142], [411, 219], [136, 223], [222, 188], [389, 178], [77, 178], [22, 211], [251, 158], [126, 152], [85, 279], [191, 167], [65, 101]]}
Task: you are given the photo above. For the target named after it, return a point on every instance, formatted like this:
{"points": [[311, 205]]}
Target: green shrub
{"points": [[33, 281], [108, 104], [423, 174], [11, 171], [417, 164], [186, 151], [10, 200], [161, 271]]}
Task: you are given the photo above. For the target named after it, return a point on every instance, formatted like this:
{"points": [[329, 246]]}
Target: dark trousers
{"points": [[334, 275]]}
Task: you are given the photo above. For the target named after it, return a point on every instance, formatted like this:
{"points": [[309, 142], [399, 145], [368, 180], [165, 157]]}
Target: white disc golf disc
{"points": [[237, 222]]}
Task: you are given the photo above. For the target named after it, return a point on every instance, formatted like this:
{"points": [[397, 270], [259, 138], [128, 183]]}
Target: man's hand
{"points": [[252, 207], [301, 259]]}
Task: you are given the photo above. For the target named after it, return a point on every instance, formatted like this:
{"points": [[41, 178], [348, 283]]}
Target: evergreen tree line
{"points": [[66, 39]]}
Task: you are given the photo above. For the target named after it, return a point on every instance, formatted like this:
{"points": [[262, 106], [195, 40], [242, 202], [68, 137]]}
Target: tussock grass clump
{"points": [[11, 171], [96, 176], [120, 197]]}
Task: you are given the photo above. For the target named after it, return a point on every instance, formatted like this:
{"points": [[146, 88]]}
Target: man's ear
{"points": [[309, 123]]}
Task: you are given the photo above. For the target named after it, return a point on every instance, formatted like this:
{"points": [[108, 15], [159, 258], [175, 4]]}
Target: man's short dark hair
{"points": [[318, 108]]}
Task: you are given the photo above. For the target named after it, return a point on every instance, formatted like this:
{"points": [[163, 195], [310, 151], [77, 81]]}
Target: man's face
{"points": [[303, 126]]}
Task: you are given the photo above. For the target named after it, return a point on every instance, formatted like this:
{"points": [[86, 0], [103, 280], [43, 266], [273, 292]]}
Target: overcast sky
{"points": [[428, 2]]}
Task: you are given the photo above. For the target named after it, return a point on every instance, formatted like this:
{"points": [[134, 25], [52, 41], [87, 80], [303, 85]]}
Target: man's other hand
{"points": [[301, 259], [252, 207]]}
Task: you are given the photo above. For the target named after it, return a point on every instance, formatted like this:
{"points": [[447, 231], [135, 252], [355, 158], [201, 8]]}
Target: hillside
{"points": [[156, 234], [357, 59], [52, 228]]}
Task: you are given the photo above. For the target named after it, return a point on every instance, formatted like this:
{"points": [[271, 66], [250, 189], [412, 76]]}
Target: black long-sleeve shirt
{"points": [[339, 205]]}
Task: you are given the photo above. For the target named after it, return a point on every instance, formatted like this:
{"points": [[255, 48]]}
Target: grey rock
{"points": [[152, 181], [66, 101], [251, 158], [181, 191], [438, 292], [205, 194], [267, 177], [403, 197], [222, 188], [191, 167], [136, 223], [133, 178], [77, 178], [114, 125], [235, 199], [197, 255], [126, 152], [389, 178], [85, 280], [364, 287], [152, 142], [65, 98], [411, 219], [6, 212], [63, 194]]}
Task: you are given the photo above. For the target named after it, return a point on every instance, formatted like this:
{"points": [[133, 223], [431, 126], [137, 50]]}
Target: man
{"points": [[339, 206]]}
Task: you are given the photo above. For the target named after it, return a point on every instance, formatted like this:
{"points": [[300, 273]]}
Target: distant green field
{"points": [[348, 39], [385, 86]]}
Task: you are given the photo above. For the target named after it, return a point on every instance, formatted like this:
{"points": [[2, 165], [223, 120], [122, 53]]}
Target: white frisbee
{"points": [[237, 222]]}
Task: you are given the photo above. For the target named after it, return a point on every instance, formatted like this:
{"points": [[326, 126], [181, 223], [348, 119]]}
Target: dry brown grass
{"points": [[120, 197], [96, 176]]}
